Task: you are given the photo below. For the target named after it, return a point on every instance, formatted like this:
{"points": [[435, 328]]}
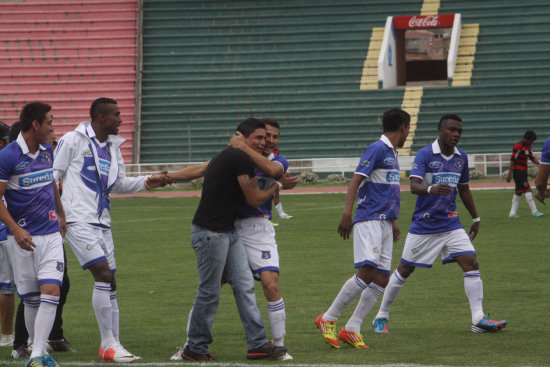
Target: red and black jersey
{"points": [[520, 153], [276, 151]]}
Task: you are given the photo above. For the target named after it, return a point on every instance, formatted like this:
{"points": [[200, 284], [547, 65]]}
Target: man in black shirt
{"points": [[229, 179]]}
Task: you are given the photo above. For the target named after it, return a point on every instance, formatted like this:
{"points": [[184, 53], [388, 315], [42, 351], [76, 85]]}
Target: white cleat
{"points": [[117, 353], [285, 357], [286, 216], [177, 356]]}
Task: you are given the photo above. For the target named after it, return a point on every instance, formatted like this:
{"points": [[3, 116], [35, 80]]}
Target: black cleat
{"points": [[188, 355], [267, 350], [61, 345]]}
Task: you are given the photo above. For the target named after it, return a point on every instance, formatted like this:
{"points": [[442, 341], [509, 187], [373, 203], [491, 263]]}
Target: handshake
{"points": [[164, 178], [160, 179]]}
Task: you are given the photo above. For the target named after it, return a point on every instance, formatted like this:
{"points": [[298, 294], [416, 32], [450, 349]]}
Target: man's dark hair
{"points": [[98, 107], [250, 125], [450, 116], [31, 112], [530, 135], [271, 122], [394, 118], [15, 129]]}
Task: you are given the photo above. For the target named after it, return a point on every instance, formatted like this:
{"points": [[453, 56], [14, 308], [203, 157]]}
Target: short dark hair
{"points": [[97, 107], [394, 118], [250, 125], [271, 122], [31, 112], [450, 116], [15, 129], [530, 135]]}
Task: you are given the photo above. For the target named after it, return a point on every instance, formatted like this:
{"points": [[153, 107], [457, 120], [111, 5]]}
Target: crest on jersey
{"points": [[45, 157], [459, 163], [60, 266], [53, 215], [266, 254]]}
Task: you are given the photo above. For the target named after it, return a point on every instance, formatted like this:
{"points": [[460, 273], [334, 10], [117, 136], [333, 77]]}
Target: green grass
{"points": [[430, 320]]}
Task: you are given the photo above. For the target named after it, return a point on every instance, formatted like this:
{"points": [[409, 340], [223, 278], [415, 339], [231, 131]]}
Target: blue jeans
{"points": [[222, 254]]}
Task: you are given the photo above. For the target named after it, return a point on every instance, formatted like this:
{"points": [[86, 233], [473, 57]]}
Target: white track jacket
{"points": [[84, 198]]}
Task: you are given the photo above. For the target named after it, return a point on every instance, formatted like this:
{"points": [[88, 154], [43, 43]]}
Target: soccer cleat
{"points": [[266, 350], [35, 362], [513, 216], [488, 326], [6, 340], [537, 214], [61, 345], [285, 216], [20, 353], [352, 339], [177, 355], [50, 361], [274, 224], [117, 353], [285, 357], [328, 330], [380, 325], [188, 355]]}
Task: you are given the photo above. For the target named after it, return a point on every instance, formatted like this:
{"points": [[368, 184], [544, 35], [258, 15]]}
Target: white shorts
{"points": [[44, 265], [91, 244], [422, 249], [258, 237], [373, 244], [7, 285]]}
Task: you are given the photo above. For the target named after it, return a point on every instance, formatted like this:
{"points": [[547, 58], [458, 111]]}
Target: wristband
{"points": [[280, 185], [429, 189], [476, 220]]}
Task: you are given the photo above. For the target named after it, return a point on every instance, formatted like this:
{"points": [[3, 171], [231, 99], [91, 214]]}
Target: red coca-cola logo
{"points": [[424, 22]]}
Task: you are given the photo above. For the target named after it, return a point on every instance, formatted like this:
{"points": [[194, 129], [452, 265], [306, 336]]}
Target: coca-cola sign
{"points": [[423, 21]]}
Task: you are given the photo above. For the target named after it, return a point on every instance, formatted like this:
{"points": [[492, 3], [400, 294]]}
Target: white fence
{"points": [[486, 164]]}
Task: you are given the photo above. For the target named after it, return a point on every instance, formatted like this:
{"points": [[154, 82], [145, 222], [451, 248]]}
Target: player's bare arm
{"points": [[418, 188], [59, 210], [541, 183], [396, 231], [188, 173], [346, 223], [272, 169], [252, 192], [157, 180], [468, 201], [22, 237]]}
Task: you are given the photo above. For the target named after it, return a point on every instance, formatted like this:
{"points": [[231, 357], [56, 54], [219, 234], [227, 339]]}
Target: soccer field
{"points": [[430, 320]]}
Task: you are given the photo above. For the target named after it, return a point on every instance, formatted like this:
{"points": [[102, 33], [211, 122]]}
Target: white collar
{"points": [[387, 141], [23, 144], [436, 149]]}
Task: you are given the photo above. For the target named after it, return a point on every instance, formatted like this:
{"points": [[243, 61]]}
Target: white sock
{"points": [[531, 202], [351, 288], [368, 299], [31, 309], [279, 208], [393, 288], [515, 204], [473, 285], [43, 323], [115, 316], [277, 316], [103, 312]]}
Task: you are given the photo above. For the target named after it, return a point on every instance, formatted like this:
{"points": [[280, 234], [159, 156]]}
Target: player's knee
{"points": [[405, 270]]}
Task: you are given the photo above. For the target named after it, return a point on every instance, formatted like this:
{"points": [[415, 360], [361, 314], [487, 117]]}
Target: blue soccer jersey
{"points": [[29, 193], [437, 213], [378, 197], [264, 210], [545, 154]]}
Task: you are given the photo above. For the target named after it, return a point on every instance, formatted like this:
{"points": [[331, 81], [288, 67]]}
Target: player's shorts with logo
{"points": [[44, 265], [7, 285], [91, 244], [422, 249], [258, 237], [373, 244]]}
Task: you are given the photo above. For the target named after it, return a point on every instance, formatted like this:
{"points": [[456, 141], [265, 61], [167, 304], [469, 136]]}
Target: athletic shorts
{"points": [[258, 237], [7, 285], [373, 244], [422, 249], [521, 180], [44, 265], [91, 244]]}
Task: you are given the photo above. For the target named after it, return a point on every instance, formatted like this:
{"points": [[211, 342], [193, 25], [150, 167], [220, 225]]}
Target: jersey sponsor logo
{"points": [[452, 214], [104, 167], [266, 255], [52, 215], [450, 178], [60, 266], [22, 222], [389, 161], [392, 176], [435, 164], [365, 163], [382, 217], [86, 153], [415, 165], [426, 216], [459, 163], [36, 178], [22, 165]]}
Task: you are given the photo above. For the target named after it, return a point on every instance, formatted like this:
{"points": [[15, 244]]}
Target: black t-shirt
{"points": [[221, 193]]}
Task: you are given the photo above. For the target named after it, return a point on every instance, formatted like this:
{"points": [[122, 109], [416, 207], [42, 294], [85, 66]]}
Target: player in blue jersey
{"points": [[36, 223], [541, 181], [439, 173], [375, 184]]}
